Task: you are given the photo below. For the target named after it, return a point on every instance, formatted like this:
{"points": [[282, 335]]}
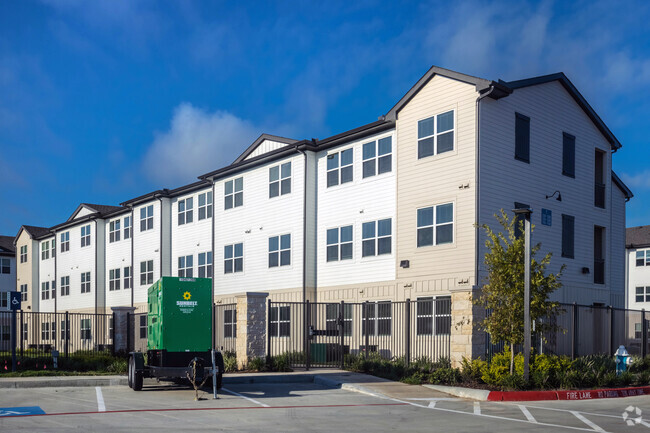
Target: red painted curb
{"points": [[587, 394]]}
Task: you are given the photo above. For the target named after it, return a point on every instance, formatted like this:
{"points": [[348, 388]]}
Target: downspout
{"points": [[56, 256], [161, 236], [212, 237], [477, 195], [96, 266], [304, 228], [130, 206]]}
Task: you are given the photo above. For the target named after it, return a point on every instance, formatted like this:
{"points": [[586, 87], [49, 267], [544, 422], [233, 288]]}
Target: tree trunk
{"points": [[512, 357]]}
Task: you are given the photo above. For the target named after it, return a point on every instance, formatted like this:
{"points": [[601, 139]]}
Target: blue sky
{"points": [[101, 101]]}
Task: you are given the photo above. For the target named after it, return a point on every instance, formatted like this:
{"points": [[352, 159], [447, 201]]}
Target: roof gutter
{"points": [[304, 227]]}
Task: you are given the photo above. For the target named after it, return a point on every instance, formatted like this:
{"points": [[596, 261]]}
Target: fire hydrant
{"points": [[623, 360]]}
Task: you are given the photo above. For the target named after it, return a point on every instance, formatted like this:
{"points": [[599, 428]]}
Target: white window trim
{"points": [[65, 242], [184, 270], [146, 272], [85, 239], [114, 231], [207, 265], [147, 218], [186, 213], [453, 228], [65, 285], [437, 155], [233, 193], [339, 168], [377, 156], [279, 251], [339, 243], [280, 179], [208, 206], [243, 252], [87, 282], [376, 238]]}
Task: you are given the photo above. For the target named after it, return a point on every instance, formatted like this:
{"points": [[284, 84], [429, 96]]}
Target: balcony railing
{"points": [[599, 271], [599, 195]]}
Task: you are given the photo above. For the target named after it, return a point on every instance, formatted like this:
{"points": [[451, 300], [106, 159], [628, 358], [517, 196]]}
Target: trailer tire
{"points": [[138, 378], [219, 380], [130, 371]]}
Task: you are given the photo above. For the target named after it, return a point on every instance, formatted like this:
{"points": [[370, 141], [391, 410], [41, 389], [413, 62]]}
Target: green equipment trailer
{"points": [[179, 337]]}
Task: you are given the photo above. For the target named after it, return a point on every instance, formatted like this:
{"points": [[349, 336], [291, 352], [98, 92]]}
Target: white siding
{"points": [[311, 217], [83, 212], [146, 247], [638, 276], [353, 203], [617, 250], [504, 180], [118, 256], [252, 224], [264, 147], [190, 238], [73, 263], [8, 281]]}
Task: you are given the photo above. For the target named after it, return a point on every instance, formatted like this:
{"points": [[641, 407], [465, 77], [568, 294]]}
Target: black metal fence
{"points": [[38, 334], [589, 329], [325, 334], [224, 328]]}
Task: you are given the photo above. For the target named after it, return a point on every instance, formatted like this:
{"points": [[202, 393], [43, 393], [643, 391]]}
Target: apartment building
{"points": [[7, 271], [637, 266], [386, 211]]}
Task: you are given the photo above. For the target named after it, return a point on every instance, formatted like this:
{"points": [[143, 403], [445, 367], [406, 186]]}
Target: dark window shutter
{"points": [[522, 137], [568, 155], [568, 223]]}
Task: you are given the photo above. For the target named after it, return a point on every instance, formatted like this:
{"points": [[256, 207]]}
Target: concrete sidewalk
{"points": [[331, 378]]}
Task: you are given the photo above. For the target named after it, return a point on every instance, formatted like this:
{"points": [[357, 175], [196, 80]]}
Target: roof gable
{"points": [[575, 94], [85, 209], [264, 143], [619, 183]]}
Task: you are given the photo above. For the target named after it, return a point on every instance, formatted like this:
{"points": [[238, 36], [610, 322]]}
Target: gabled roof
{"points": [[580, 100], [7, 245], [151, 195], [619, 183], [259, 141], [99, 209], [34, 231], [637, 237], [482, 85]]}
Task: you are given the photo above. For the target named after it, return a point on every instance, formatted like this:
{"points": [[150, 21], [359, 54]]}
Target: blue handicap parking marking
{"points": [[21, 411]]}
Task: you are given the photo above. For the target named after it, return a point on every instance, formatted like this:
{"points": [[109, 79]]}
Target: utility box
{"points": [[180, 315]]}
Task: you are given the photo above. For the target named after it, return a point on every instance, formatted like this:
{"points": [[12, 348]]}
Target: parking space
{"points": [[287, 407]]}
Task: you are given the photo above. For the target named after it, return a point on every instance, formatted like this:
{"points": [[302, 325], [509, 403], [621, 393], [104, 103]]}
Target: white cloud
{"points": [[639, 181], [197, 142]]}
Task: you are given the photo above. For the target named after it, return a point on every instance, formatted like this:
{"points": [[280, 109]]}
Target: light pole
{"points": [[525, 212]]}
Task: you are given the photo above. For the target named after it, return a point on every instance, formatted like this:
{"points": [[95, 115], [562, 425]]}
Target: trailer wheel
{"points": [[130, 372], [135, 377]]}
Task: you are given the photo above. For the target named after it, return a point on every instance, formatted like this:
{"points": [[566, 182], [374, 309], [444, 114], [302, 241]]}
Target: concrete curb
{"points": [[333, 383], [62, 381], [458, 391]]}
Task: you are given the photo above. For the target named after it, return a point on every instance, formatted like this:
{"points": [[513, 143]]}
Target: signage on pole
{"points": [[14, 301]]}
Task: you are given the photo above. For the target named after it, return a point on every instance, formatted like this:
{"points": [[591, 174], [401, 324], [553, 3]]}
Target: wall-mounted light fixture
{"points": [[558, 198], [404, 264], [585, 270]]}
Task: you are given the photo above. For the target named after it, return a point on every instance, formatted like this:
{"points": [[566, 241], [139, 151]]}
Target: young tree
{"points": [[503, 292]]}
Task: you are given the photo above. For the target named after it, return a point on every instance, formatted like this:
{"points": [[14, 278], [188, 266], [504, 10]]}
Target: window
{"points": [[45, 290], [114, 231], [23, 254], [435, 225], [339, 167], [114, 279], [23, 292], [25, 333], [127, 227], [53, 289], [65, 286], [186, 266], [547, 217], [568, 155], [230, 323], [280, 180], [434, 315], [205, 265], [639, 258], [111, 330], [65, 330], [128, 281], [339, 244], [233, 258], [85, 282], [279, 251], [280, 321], [568, 223], [146, 272], [146, 218], [643, 294], [5, 332], [376, 237], [205, 205], [143, 326], [522, 138], [599, 180], [85, 329], [234, 193], [85, 235], [4, 299], [377, 318], [377, 158], [5, 266], [599, 255], [436, 135], [185, 212], [65, 242], [45, 250], [45, 330], [332, 317]]}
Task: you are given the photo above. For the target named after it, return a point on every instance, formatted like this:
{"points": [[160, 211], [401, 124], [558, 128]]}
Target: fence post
{"points": [[112, 333], [611, 329], [365, 310], [13, 340], [574, 333], [67, 333], [644, 334], [22, 333], [407, 315], [306, 345], [340, 328], [268, 331]]}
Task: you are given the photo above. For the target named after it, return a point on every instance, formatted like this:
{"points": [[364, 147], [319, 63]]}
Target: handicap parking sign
{"points": [[21, 411], [14, 301]]}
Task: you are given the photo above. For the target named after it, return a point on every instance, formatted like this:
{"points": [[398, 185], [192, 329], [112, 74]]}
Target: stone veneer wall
{"points": [[251, 327], [466, 339]]}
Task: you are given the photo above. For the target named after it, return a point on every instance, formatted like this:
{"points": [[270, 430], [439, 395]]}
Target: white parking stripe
{"points": [[477, 408], [101, 407], [586, 421], [527, 414], [432, 404], [244, 397]]}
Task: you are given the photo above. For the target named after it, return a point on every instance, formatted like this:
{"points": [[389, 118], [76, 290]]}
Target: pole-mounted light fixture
{"points": [[526, 212], [558, 198]]}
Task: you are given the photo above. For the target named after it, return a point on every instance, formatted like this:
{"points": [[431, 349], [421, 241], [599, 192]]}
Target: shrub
{"points": [[230, 362], [472, 370], [281, 362], [256, 364]]}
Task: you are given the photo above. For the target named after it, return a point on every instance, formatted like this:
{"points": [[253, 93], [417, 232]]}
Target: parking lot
{"points": [[307, 406]]}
